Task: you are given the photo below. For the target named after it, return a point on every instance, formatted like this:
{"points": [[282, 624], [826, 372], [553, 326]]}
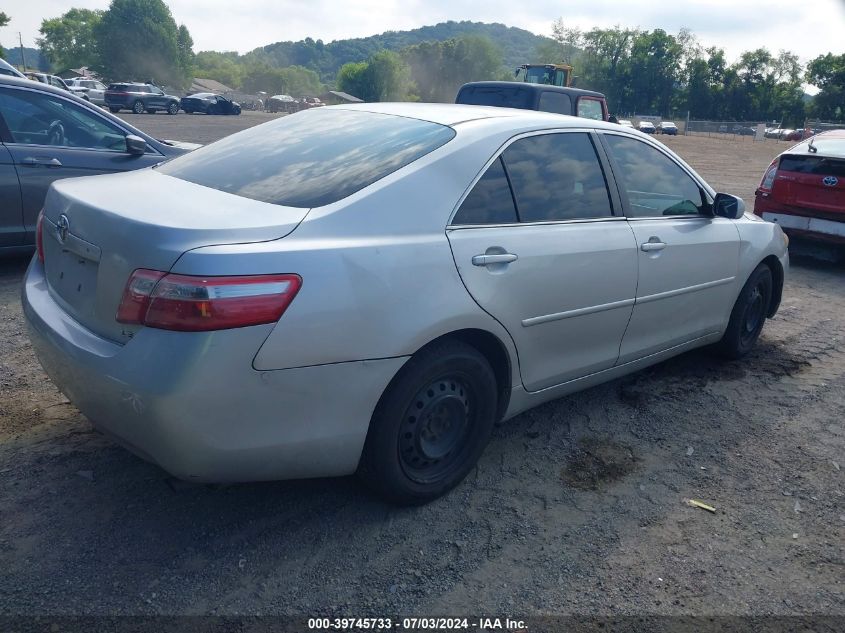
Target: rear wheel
{"points": [[431, 424], [114, 110], [138, 107], [748, 315]]}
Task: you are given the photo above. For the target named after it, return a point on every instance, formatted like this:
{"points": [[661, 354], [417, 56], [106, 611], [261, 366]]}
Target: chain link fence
{"points": [[821, 126], [729, 130]]}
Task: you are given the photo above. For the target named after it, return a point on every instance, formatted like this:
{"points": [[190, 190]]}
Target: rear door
{"points": [[539, 248], [687, 259], [51, 137]]}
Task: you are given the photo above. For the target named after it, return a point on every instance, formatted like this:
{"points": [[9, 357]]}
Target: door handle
{"points": [[34, 161], [487, 260], [653, 244]]}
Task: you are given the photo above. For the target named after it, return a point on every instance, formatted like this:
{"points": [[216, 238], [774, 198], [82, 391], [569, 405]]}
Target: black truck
{"points": [[528, 96]]}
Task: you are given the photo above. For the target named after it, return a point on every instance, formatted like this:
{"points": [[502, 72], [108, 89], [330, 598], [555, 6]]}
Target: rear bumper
{"points": [[194, 405], [801, 221]]}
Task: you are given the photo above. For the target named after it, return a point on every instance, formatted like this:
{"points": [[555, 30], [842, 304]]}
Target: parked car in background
{"points": [[281, 103], [803, 190], [56, 82], [48, 134], [743, 130], [140, 98], [775, 132], [94, 90], [667, 127], [626, 123], [510, 94], [209, 103], [6, 69], [239, 337], [310, 102], [647, 127]]}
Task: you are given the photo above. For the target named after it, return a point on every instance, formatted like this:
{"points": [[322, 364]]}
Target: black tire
{"points": [[748, 315], [173, 108], [114, 110], [431, 424], [138, 107]]}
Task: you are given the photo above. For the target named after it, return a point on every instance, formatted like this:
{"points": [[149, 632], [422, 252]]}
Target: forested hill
{"points": [[518, 46]]}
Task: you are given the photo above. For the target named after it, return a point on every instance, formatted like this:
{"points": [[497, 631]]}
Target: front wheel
{"points": [[748, 314], [431, 425], [173, 108], [138, 107]]}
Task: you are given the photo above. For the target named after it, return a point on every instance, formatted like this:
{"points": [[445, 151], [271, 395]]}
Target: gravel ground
{"points": [[576, 506]]}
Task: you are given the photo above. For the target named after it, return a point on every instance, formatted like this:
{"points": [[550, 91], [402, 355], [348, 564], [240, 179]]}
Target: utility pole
{"points": [[23, 57]]}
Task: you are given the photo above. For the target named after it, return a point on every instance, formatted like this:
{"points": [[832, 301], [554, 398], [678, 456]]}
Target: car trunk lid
{"points": [[811, 182], [98, 230]]}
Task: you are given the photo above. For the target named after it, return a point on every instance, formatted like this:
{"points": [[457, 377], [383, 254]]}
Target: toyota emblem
{"points": [[830, 181], [62, 227]]}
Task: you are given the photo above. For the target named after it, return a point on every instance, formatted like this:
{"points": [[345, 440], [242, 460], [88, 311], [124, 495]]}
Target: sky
{"points": [[809, 29]]}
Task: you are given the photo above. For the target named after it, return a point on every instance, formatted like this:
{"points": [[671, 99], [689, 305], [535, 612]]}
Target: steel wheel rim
{"points": [[434, 429], [754, 315]]}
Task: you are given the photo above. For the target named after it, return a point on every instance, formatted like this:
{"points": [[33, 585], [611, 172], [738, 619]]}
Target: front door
{"points": [[538, 247], [11, 217], [687, 259], [53, 138]]}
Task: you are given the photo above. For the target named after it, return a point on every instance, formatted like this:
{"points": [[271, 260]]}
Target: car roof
{"points": [[7, 66], [829, 144], [204, 94], [453, 114], [529, 87]]}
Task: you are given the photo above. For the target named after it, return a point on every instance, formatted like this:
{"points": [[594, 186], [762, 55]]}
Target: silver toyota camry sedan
{"points": [[370, 288]]}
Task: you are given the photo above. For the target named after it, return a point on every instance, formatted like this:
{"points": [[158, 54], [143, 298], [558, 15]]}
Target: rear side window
{"points": [[556, 102], [557, 177], [312, 158], [590, 109], [515, 97], [817, 165], [490, 201]]}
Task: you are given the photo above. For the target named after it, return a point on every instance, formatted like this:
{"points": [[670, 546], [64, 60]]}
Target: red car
{"points": [[803, 189]]}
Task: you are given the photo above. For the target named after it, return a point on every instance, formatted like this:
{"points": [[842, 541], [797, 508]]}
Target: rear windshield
{"points": [[819, 165], [312, 158], [515, 97]]}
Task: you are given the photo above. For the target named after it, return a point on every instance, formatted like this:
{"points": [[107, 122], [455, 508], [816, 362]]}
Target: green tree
{"points": [[227, 68], [350, 79], [4, 20], [383, 77], [138, 40], [68, 41], [438, 69], [827, 73], [185, 51]]}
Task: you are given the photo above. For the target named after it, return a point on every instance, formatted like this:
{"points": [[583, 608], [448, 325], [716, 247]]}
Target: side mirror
{"points": [[727, 206], [135, 145]]}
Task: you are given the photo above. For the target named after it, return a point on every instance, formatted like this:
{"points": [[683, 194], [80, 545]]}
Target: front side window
{"points": [[590, 109], [490, 201], [312, 158], [655, 184], [557, 177], [35, 118]]}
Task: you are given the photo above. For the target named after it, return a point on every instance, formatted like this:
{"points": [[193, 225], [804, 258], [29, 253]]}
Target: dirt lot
{"points": [[576, 507]]}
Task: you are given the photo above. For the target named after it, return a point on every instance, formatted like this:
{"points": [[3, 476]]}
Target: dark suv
{"points": [[140, 98]]}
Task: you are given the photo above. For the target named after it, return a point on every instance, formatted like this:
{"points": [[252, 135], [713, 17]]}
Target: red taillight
{"points": [[39, 238], [769, 177], [197, 304]]}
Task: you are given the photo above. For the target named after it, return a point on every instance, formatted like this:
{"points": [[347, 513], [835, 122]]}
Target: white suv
{"points": [[94, 89]]}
